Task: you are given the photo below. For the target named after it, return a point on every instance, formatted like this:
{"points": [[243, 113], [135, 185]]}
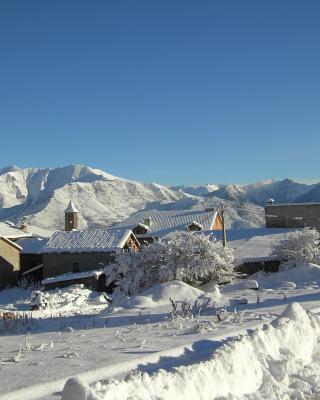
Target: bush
{"points": [[299, 247], [185, 256]]}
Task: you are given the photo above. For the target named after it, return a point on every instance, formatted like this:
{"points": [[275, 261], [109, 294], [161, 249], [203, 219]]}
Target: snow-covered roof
{"points": [[253, 245], [164, 222], [247, 233], [90, 240], [71, 208], [11, 231], [69, 276], [33, 245], [296, 204], [38, 231], [258, 248]]}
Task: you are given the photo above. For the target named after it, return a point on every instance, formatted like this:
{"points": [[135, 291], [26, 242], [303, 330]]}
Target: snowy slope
{"points": [[42, 194], [200, 190], [285, 191], [102, 199]]}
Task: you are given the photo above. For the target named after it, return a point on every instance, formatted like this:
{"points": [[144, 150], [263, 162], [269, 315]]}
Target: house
{"points": [[31, 257], [79, 251], [150, 225], [9, 262], [253, 249], [26, 239], [294, 215]]}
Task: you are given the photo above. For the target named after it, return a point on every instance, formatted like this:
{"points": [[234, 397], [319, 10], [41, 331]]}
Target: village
{"points": [[62, 258], [63, 289], [159, 200]]}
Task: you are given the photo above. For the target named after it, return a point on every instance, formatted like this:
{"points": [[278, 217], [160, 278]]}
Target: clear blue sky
{"points": [[172, 91]]}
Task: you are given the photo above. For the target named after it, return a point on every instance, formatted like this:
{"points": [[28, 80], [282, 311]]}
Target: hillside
{"points": [[42, 194]]}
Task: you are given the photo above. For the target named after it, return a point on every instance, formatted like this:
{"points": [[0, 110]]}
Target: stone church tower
{"points": [[71, 217]]}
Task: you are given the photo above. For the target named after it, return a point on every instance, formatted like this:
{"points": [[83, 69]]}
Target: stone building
{"points": [[295, 215], [151, 224], [79, 251], [9, 262]]}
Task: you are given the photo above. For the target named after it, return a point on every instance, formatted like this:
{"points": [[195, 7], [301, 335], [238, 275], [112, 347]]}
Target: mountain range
{"points": [[40, 195]]}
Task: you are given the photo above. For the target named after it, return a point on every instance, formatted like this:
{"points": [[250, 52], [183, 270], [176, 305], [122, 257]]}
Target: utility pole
{"points": [[224, 238]]}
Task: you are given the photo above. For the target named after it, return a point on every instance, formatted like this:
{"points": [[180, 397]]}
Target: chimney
{"points": [[71, 217], [148, 222], [270, 202], [24, 224]]}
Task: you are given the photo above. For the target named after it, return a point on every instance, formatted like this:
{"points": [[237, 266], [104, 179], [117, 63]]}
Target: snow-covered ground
{"points": [[166, 353]]}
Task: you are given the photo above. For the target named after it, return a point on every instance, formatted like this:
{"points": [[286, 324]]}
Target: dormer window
{"points": [[140, 229], [194, 226]]}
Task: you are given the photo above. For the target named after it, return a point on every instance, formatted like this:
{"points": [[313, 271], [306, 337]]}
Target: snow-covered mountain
{"points": [[201, 190], [42, 194], [285, 191]]}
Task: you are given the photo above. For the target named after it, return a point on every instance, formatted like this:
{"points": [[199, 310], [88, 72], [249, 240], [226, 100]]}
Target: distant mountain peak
{"points": [[10, 168]]}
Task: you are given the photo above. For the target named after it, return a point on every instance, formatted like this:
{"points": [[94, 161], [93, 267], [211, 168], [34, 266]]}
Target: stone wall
{"points": [[293, 216], [61, 263]]}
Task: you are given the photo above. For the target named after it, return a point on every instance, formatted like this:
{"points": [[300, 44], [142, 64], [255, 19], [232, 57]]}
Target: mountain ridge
{"points": [[42, 194]]}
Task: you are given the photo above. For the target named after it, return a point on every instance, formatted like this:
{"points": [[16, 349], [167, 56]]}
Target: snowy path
{"points": [[112, 344], [127, 345]]}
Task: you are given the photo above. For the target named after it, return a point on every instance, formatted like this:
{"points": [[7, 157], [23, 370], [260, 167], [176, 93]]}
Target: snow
{"points": [[165, 222], [160, 295], [299, 276], [251, 366], [12, 232], [90, 240], [71, 276], [67, 301], [159, 354], [102, 199], [32, 245]]}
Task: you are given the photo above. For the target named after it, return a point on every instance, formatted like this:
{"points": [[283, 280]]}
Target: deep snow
{"points": [[96, 342]]}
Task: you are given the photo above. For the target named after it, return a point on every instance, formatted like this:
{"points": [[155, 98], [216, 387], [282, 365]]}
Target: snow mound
{"points": [[250, 284], [75, 299], [160, 294], [75, 389], [175, 290], [277, 361], [299, 276]]}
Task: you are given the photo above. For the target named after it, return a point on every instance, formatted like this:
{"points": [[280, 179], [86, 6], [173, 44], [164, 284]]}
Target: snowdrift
{"points": [[160, 294], [301, 275], [276, 361], [72, 299]]}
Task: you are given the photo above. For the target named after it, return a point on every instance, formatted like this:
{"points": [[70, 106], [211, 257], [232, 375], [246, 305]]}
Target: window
{"points": [[76, 267]]}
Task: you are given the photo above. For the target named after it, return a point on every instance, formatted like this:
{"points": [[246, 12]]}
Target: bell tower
{"points": [[71, 217]]}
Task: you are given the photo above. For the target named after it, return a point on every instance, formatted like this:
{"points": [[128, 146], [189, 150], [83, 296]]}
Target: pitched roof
{"points": [[164, 222], [71, 208], [258, 248], [253, 245], [11, 231], [70, 276], [90, 240], [33, 245]]}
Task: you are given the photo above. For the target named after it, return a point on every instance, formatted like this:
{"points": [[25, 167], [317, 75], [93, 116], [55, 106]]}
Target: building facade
{"points": [[296, 215]]}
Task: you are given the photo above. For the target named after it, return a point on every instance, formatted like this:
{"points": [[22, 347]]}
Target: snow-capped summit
{"points": [[102, 199]]}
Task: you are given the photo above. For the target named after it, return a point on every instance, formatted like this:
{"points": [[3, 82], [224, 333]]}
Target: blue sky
{"points": [[172, 91]]}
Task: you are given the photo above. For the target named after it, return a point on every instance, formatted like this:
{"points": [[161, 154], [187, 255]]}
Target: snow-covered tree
{"points": [[185, 256], [299, 246]]}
